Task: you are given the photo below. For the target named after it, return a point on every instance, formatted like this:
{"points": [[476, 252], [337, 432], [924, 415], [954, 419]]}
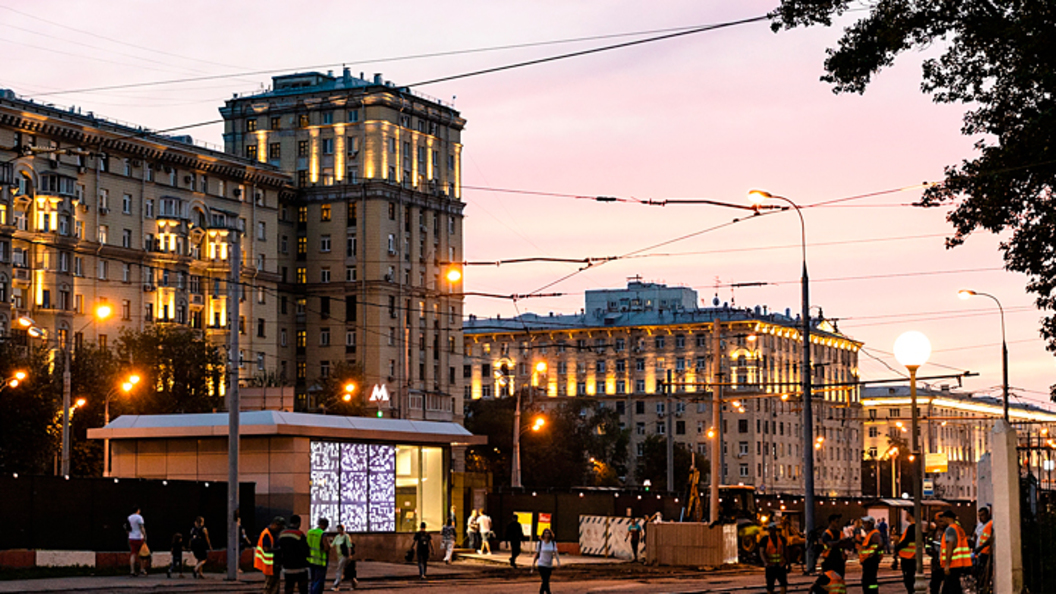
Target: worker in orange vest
{"points": [[829, 582], [984, 546], [264, 555], [954, 553], [906, 549], [775, 557], [832, 547], [869, 555]]}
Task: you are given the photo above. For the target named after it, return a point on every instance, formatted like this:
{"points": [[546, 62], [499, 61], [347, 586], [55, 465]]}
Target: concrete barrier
{"points": [[691, 544]]}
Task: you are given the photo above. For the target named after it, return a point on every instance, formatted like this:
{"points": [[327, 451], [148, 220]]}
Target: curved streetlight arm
{"points": [[1004, 347]]}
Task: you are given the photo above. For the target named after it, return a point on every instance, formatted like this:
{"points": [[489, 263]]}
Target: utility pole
{"points": [[234, 294], [670, 438], [716, 422]]}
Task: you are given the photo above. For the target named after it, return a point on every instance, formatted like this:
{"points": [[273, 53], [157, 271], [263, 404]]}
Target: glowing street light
{"points": [[453, 275], [912, 349], [539, 423], [126, 386], [349, 389]]}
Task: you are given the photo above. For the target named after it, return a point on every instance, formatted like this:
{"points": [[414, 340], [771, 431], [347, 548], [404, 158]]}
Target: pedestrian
{"points": [[243, 540], [137, 537], [473, 530], [447, 538], [318, 556], [200, 546], [342, 543], [293, 556], [954, 553], [829, 582], [486, 533], [264, 554], [177, 555], [545, 559], [634, 534], [906, 553], [423, 548], [984, 544], [869, 556], [514, 536], [775, 557], [885, 536], [935, 586], [833, 557]]}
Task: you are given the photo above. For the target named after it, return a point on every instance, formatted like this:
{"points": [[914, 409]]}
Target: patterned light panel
{"points": [[354, 484]]}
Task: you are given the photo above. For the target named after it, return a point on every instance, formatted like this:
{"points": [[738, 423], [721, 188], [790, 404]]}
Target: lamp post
{"points": [[968, 293], [13, 381], [126, 387], [515, 475], [101, 312], [757, 197], [912, 349]]}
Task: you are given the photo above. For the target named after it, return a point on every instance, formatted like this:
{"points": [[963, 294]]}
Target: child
{"points": [[177, 555]]}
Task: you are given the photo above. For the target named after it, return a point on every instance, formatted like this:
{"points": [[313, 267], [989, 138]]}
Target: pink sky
{"points": [[706, 116]]}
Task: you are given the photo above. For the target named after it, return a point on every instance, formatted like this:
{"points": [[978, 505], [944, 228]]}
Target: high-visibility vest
{"points": [[909, 547], [828, 548], [316, 556], [836, 584], [986, 538], [265, 560], [869, 549], [775, 551], [962, 554]]}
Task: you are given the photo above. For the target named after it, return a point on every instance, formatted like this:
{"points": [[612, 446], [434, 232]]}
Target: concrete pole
{"points": [[67, 401], [920, 585], [515, 475], [670, 437], [1008, 551], [716, 423], [234, 294]]}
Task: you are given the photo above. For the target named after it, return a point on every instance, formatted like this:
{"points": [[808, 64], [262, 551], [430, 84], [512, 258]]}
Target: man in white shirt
{"points": [[485, 533], [137, 535]]}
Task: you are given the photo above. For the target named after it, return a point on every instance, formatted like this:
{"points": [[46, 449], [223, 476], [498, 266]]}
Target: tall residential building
{"points": [[93, 212], [619, 349], [956, 425], [364, 242]]}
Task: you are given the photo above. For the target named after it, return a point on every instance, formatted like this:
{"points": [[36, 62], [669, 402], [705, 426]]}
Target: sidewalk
{"points": [[525, 559], [369, 571]]}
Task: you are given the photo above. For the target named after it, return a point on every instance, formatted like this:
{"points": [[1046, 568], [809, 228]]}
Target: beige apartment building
{"points": [[95, 212], [365, 242], [956, 425], [619, 349]]}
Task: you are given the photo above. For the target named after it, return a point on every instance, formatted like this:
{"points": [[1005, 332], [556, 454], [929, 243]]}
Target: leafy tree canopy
{"points": [[652, 466], [999, 58]]}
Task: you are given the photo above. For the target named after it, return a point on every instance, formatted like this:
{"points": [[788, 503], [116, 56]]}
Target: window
{"points": [[328, 146], [328, 117], [126, 203], [661, 428], [742, 425], [302, 120], [284, 244], [324, 337], [104, 232], [680, 427], [324, 275], [104, 200], [324, 213], [274, 151], [350, 246], [262, 231], [660, 342], [302, 247], [148, 209], [251, 124], [302, 148], [302, 275], [102, 269], [639, 429], [251, 152], [126, 238], [639, 385], [324, 243], [621, 388], [260, 327], [743, 470], [350, 274], [742, 448], [874, 431]]}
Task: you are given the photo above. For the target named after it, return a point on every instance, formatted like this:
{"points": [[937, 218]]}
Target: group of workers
{"points": [[949, 546], [302, 557]]}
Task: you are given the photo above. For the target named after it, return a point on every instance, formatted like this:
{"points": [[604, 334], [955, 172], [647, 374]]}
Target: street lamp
{"points": [[912, 349], [968, 293], [14, 380], [101, 312], [126, 387], [349, 389], [757, 198], [537, 424]]}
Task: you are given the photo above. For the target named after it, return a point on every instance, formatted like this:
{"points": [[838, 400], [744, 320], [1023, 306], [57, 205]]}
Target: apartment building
{"points": [[365, 240], [93, 211], [954, 424], [621, 347]]}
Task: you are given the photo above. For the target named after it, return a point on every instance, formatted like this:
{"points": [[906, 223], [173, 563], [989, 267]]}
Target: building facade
{"points": [[626, 341], [93, 212], [375, 220], [956, 425]]}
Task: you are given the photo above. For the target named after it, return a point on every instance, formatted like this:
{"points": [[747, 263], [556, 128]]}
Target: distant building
{"points": [[364, 243], [620, 348], [954, 424]]}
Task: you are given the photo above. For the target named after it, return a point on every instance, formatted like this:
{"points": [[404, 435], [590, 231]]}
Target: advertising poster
{"points": [[525, 520], [544, 523]]}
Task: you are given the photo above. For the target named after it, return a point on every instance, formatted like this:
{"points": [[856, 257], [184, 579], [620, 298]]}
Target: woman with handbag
{"points": [[346, 565], [200, 546]]}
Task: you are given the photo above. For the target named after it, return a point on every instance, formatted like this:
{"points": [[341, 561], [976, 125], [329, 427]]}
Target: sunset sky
{"points": [[710, 115]]}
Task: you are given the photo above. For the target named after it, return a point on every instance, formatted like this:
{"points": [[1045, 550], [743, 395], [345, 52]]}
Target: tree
{"points": [[999, 58], [652, 466], [181, 371]]}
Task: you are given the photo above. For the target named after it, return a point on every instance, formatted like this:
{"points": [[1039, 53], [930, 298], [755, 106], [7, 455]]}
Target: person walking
{"points": [[775, 557], [954, 553], [869, 556], [545, 559], [318, 556], [176, 551], [634, 534], [200, 546], [473, 530], [243, 539], [447, 539], [833, 556], [885, 536], [137, 536], [264, 554], [342, 543], [906, 553], [514, 535], [486, 533], [293, 556], [984, 544], [423, 548]]}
